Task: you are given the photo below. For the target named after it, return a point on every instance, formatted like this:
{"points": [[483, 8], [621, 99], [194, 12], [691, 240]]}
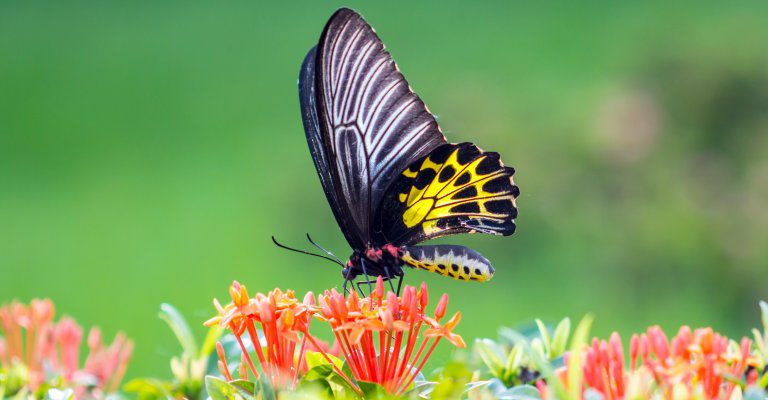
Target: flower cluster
{"points": [[379, 335], [40, 352], [284, 322], [693, 364]]}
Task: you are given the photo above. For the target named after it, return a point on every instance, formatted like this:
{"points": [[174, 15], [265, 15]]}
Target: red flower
{"points": [[284, 321], [379, 337], [692, 362], [31, 338]]}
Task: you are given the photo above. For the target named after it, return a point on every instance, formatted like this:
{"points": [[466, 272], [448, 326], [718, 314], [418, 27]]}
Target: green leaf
{"points": [[521, 392], [372, 391], [209, 344], [755, 393], [219, 389], [180, 328], [575, 371], [264, 389], [560, 338], [544, 333], [514, 361], [148, 388], [315, 358], [333, 383], [491, 355], [246, 388]]}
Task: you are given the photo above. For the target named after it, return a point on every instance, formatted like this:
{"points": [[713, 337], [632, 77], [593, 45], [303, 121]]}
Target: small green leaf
{"points": [[575, 371], [544, 333], [218, 389], [491, 355], [209, 344], [264, 389], [514, 361], [560, 338], [148, 388], [521, 392], [372, 391], [315, 358], [246, 388], [180, 328]]}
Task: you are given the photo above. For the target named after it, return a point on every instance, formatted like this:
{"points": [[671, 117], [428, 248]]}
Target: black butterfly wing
{"points": [[317, 148], [456, 189], [364, 124]]}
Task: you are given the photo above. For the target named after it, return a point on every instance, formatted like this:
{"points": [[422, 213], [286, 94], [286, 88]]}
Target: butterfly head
{"points": [[374, 261], [349, 272]]}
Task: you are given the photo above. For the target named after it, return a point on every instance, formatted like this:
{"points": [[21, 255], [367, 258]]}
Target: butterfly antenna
{"points": [[282, 246], [323, 249]]}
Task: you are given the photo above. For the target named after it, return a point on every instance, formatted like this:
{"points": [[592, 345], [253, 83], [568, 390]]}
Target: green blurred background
{"points": [[149, 150]]}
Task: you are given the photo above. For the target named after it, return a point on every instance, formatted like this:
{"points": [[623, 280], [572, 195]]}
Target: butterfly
{"points": [[390, 176]]}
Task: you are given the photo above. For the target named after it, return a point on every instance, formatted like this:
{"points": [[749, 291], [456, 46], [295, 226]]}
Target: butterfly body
{"points": [[390, 176]]}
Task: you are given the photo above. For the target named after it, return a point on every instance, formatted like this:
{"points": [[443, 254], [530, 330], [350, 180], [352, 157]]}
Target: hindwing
{"points": [[455, 189]]}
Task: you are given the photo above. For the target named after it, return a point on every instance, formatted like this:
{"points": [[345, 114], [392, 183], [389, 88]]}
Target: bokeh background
{"points": [[149, 150]]}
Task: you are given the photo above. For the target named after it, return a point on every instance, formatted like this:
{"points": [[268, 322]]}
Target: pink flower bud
{"points": [[442, 306], [423, 296]]}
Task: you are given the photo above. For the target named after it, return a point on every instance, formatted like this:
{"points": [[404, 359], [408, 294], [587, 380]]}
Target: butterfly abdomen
{"points": [[455, 262]]}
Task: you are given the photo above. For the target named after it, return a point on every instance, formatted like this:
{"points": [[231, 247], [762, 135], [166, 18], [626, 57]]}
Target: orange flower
{"points": [[379, 335], [284, 322], [692, 362]]}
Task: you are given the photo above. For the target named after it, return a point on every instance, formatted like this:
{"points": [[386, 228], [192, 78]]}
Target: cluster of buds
{"points": [[694, 364], [378, 336], [46, 350]]}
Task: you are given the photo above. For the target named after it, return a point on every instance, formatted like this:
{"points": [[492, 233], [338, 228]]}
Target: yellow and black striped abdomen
{"points": [[457, 262]]}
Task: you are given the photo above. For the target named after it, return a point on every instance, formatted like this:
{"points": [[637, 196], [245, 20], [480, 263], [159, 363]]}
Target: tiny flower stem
{"points": [[302, 351], [409, 347], [257, 347], [394, 356], [421, 365], [383, 344], [247, 357]]}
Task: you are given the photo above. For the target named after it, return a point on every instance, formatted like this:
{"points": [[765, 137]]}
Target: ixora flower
{"points": [[284, 322], [37, 352], [694, 364], [378, 335]]}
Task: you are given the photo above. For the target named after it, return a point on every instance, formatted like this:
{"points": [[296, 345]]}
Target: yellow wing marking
{"points": [[436, 199]]}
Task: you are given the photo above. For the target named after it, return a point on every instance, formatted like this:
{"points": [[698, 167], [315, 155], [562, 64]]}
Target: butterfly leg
{"points": [[399, 284], [346, 280], [367, 278], [389, 278]]}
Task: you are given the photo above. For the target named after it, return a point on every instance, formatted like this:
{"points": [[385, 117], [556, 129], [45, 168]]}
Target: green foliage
{"points": [[189, 368], [518, 359], [507, 360]]}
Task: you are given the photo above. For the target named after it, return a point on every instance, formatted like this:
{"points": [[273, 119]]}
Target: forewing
{"points": [[457, 262], [456, 189], [315, 139], [371, 123]]}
